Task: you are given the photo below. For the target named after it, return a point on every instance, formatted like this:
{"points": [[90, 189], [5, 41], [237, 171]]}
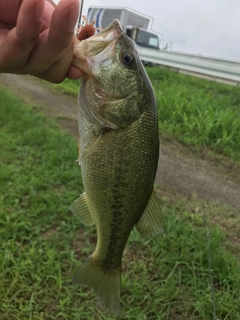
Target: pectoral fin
{"points": [[92, 147], [151, 222], [79, 155], [81, 210]]}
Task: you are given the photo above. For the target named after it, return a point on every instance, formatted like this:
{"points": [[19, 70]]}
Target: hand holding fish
{"points": [[38, 39]]}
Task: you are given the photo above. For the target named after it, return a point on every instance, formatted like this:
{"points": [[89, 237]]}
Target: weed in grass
{"points": [[42, 244]]}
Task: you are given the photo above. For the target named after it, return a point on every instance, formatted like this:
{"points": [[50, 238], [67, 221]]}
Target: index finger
{"points": [[20, 41], [9, 11], [53, 42], [47, 14]]}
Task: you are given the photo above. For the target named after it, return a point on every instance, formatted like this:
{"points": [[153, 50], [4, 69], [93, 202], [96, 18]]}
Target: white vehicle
{"points": [[135, 24]]}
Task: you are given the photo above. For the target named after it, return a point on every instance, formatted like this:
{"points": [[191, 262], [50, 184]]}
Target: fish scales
{"points": [[119, 150], [111, 184]]}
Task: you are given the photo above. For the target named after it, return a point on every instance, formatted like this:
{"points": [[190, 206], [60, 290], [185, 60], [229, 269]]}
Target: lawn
{"points": [[42, 243], [198, 112]]}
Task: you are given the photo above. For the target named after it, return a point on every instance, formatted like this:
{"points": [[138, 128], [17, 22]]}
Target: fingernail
{"points": [[38, 9], [72, 16]]}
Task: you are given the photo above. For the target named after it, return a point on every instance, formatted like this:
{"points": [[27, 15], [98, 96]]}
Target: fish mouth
{"points": [[99, 47]]}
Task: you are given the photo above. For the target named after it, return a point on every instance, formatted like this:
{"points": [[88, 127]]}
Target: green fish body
{"points": [[119, 150]]}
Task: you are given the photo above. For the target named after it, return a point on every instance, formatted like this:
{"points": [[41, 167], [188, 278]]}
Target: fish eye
{"points": [[127, 58]]}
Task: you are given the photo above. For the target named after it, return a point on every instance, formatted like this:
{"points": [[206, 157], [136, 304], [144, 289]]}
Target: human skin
{"points": [[37, 38]]}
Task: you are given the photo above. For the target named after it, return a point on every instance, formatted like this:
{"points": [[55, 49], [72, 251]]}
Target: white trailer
{"points": [[135, 24]]}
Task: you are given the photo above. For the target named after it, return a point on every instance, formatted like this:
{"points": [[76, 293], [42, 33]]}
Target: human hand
{"points": [[38, 39]]}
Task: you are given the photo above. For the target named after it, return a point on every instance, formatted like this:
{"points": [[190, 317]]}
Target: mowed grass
{"points": [[197, 112], [42, 243]]}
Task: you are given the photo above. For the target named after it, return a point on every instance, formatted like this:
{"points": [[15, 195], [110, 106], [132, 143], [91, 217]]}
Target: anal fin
{"points": [[151, 222], [81, 210]]}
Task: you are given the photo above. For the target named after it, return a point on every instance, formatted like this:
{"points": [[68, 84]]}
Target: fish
{"points": [[118, 155]]}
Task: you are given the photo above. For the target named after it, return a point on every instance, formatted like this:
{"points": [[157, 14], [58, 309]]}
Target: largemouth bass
{"points": [[119, 149]]}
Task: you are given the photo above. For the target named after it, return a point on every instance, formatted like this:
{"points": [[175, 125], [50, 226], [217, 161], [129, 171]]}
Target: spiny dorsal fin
{"points": [[151, 222], [81, 210]]}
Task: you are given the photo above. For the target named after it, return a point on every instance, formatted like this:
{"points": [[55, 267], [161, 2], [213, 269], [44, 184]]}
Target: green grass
{"points": [[197, 112], [70, 87], [42, 243]]}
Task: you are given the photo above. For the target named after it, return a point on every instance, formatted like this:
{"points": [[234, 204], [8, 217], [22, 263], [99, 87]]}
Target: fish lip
{"points": [[111, 32], [96, 44]]}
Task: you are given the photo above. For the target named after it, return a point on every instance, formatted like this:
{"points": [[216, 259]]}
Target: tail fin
{"points": [[106, 283]]}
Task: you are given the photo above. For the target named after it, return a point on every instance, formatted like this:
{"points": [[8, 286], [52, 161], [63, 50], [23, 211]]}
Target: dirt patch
{"points": [[180, 170], [186, 173], [33, 91]]}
